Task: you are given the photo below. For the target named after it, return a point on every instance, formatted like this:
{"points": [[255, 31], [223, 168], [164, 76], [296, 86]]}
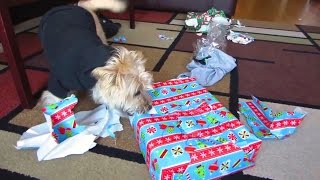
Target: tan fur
{"points": [[123, 81]]}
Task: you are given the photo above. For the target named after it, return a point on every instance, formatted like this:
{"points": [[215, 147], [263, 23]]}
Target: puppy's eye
{"points": [[137, 93]]}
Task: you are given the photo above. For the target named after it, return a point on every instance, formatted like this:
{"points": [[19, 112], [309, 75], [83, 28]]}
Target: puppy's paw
{"points": [[118, 6], [48, 98]]}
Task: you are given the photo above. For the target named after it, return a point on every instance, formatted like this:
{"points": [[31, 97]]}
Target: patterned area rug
{"points": [[280, 67]]}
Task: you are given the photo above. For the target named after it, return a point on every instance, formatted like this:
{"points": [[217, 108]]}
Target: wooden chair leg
{"points": [[16, 65], [131, 14]]}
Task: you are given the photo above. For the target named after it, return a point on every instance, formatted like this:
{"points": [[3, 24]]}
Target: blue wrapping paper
{"points": [[65, 133], [62, 118], [192, 136], [265, 125]]}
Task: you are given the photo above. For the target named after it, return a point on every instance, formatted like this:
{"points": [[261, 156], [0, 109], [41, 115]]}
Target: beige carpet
{"points": [[87, 166]]}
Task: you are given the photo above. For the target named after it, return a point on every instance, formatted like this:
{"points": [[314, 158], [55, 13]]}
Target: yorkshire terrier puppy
{"points": [[80, 59]]}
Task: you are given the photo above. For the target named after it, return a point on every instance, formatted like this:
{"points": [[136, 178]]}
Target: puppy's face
{"points": [[122, 83]]}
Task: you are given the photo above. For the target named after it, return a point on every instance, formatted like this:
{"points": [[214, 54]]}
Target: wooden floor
{"points": [[303, 12]]}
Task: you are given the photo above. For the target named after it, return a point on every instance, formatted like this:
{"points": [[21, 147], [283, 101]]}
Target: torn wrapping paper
{"points": [[265, 125], [239, 38], [192, 136], [209, 66], [221, 20], [164, 37], [199, 21], [120, 38], [66, 133], [61, 120]]}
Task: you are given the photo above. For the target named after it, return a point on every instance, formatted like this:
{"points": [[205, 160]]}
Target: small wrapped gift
{"points": [[265, 125], [192, 136]]}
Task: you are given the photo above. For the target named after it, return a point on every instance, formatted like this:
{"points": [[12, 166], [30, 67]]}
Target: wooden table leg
{"points": [[131, 14], [11, 52]]}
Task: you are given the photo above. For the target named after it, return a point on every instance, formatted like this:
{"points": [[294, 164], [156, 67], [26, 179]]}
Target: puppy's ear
{"points": [[99, 72], [138, 57], [104, 73], [146, 79], [109, 76]]}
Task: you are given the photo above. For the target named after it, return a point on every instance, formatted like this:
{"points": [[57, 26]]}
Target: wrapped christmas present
{"points": [[192, 135]]}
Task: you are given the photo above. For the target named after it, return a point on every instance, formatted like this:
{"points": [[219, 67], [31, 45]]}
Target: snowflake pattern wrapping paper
{"points": [[61, 118], [192, 136], [265, 125], [67, 133]]}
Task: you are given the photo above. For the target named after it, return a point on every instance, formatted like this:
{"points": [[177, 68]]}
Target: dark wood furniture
{"points": [[131, 14], [12, 54]]}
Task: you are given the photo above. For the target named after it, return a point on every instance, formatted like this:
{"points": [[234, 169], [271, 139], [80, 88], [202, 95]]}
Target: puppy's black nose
{"points": [[149, 107]]}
